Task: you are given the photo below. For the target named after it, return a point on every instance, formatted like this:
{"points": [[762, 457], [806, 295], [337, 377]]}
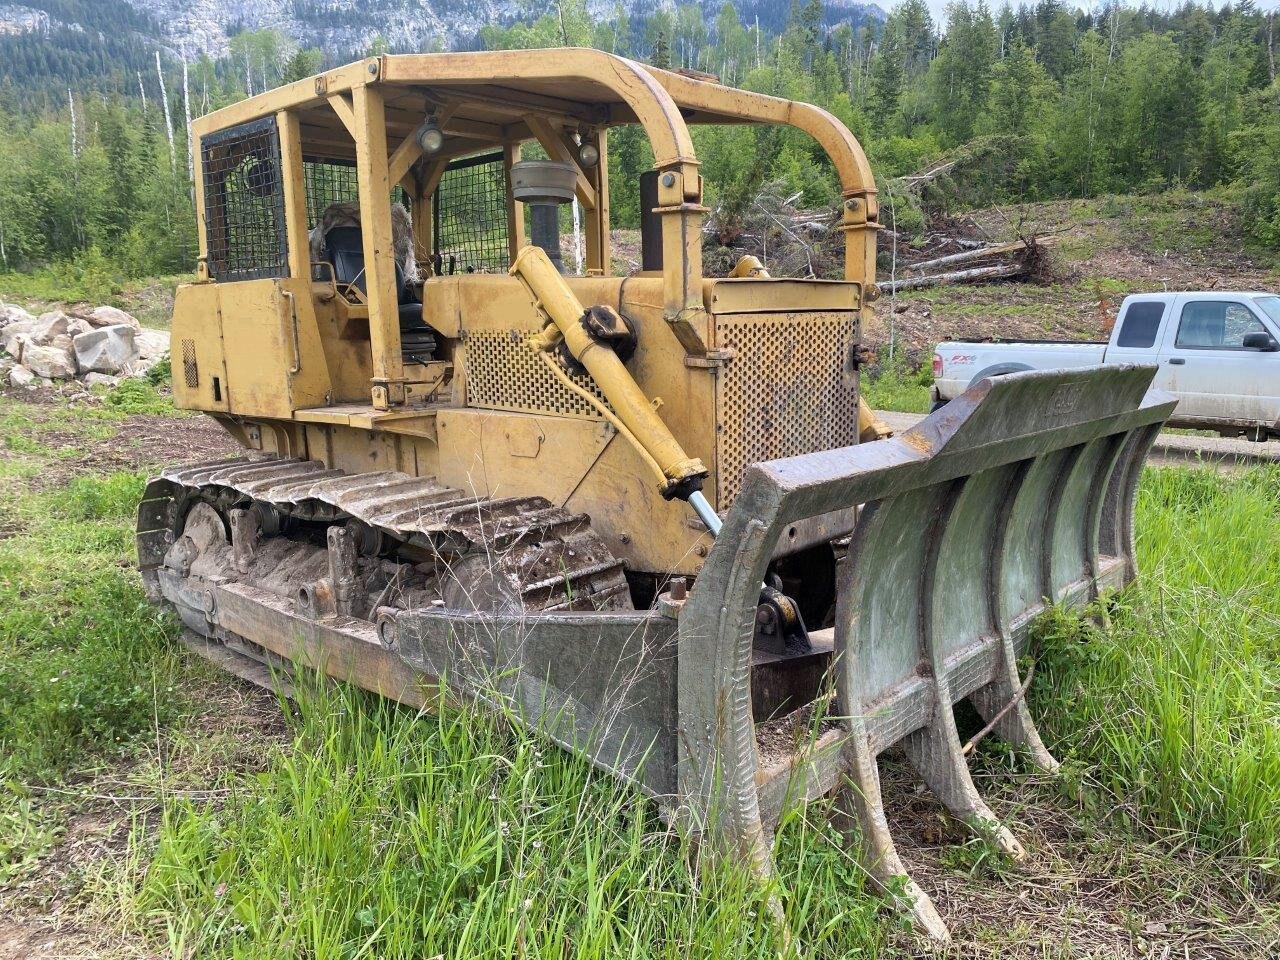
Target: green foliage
{"points": [[303, 64], [113, 497], [161, 372], [83, 667], [1258, 150], [26, 832], [88, 276], [117, 205], [392, 833], [1115, 101], [960, 76], [1174, 710], [90, 44], [629, 156], [898, 385], [138, 395], [1020, 91]]}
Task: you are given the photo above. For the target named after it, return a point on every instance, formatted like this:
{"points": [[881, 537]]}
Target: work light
{"points": [[431, 137]]}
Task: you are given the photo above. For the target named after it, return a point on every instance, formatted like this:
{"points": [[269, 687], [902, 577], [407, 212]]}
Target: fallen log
{"points": [[914, 180], [972, 275], [981, 253]]}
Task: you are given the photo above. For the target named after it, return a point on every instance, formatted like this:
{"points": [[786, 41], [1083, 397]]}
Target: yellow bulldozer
{"points": [[631, 506]]}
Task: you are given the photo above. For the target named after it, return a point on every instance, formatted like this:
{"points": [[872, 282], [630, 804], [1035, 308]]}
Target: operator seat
{"points": [[344, 248]]}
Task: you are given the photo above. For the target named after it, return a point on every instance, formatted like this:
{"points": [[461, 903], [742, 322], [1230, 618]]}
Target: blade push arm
{"points": [[679, 475]]}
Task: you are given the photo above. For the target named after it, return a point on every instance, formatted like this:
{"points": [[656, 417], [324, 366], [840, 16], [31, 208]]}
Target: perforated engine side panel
{"points": [[503, 373], [785, 392]]}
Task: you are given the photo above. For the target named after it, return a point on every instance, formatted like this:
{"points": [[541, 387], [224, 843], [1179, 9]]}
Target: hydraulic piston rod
{"points": [[680, 475]]}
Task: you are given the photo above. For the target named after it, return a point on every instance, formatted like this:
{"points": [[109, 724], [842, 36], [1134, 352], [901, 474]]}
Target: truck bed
{"points": [[964, 361]]}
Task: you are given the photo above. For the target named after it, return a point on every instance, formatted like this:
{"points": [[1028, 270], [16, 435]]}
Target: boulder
{"points": [[6, 364], [100, 380], [12, 313], [151, 344], [51, 362], [16, 334], [49, 325], [20, 376], [106, 350], [77, 326], [110, 317]]}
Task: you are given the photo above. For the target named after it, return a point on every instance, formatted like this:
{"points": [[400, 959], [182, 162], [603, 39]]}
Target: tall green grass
{"points": [[84, 660], [384, 833], [86, 664], [1175, 710], [899, 386]]}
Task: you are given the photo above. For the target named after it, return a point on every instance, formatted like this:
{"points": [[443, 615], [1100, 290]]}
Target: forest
{"points": [[1036, 102]]}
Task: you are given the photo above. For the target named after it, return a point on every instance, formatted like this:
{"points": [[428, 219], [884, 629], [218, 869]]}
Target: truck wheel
{"points": [[938, 405]]}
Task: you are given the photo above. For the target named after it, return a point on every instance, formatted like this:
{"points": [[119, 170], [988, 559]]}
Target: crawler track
{"points": [[403, 543]]}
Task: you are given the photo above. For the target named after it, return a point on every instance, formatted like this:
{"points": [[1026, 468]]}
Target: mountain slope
{"points": [[50, 45]]}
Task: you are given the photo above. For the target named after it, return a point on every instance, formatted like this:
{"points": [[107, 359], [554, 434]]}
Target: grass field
{"points": [[167, 811], [1175, 710], [897, 386]]}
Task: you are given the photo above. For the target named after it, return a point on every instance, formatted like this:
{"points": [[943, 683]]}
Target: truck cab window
{"points": [[1216, 325], [1270, 306], [1141, 324]]}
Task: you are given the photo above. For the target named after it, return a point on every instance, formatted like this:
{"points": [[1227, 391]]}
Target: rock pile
{"points": [[96, 346]]}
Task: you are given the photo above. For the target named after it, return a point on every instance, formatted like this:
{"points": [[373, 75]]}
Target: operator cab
{"points": [[477, 155]]}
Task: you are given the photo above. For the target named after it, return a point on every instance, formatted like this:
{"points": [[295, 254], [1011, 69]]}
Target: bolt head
{"points": [[668, 179]]}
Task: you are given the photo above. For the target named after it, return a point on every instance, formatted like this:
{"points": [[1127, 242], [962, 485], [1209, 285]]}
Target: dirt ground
{"points": [[67, 908], [1088, 891], [135, 442]]}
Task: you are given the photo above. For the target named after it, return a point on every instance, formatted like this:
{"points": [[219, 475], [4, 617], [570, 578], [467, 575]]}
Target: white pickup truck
{"points": [[1219, 353]]}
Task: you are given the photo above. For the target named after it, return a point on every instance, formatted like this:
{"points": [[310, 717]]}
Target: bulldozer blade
{"points": [[1015, 496]]}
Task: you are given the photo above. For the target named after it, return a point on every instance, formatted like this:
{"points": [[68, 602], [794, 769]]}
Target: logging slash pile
{"points": [[793, 241], [950, 259]]}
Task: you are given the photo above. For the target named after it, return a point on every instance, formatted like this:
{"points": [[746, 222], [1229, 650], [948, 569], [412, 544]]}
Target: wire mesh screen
{"points": [[333, 181], [244, 202], [470, 210]]}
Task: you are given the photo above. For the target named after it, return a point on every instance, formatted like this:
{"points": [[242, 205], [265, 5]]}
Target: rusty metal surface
{"points": [[1016, 495], [600, 684], [541, 550]]}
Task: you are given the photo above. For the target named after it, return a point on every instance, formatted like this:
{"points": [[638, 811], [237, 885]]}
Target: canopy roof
{"points": [[485, 99]]}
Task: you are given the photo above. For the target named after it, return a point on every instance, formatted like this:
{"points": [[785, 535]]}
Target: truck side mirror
{"points": [[1261, 341]]}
